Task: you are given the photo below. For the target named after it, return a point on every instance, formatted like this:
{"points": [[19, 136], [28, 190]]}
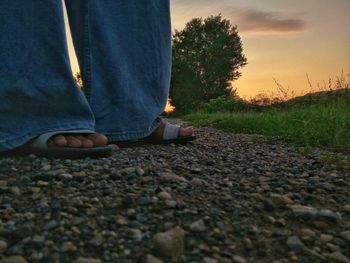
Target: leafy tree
{"points": [[207, 55]]}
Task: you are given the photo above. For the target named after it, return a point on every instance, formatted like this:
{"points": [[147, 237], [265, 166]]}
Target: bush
{"points": [[228, 104]]}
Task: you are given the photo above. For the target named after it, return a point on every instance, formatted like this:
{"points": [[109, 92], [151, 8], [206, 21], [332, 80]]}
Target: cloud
{"points": [[253, 20]]}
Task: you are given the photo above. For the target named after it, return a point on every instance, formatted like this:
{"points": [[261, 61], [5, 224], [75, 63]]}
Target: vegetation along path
{"points": [[223, 198]]}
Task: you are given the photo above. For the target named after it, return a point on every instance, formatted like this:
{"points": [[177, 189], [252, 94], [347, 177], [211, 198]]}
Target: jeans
{"points": [[124, 53]]}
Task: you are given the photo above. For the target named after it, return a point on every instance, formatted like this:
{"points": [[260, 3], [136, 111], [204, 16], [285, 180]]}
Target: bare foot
{"points": [[79, 141]]}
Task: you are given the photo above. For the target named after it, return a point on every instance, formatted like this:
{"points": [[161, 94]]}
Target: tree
{"points": [[207, 55]]}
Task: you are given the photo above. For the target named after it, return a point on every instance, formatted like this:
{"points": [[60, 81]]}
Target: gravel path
{"points": [[224, 198]]}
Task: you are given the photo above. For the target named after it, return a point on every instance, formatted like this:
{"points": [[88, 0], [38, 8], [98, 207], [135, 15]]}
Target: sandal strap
{"points": [[40, 142], [171, 131]]}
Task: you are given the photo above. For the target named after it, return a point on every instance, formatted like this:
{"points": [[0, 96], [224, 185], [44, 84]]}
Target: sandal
{"points": [[39, 147]]}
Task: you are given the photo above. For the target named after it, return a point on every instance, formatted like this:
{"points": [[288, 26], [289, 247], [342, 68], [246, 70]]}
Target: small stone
{"points": [[51, 225], [248, 243], [152, 259], [3, 246], [327, 214], [88, 260], [307, 234], [38, 239], [198, 226], [295, 244], [79, 174], [15, 190], [250, 171], [171, 203], [304, 211], [281, 199], [336, 257], [129, 170], [210, 260], [144, 200], [13, 259], [34, 190], [42, 183], [196, 170], [66, 176], [326, 238], [239, 259], [128, 201], [121, 221], [171, 177], [346, 236], [46, 167], [164, 195], [347, 209], [137, 234], [68, 247], [170, 243], [196, 182], [140, 171]]}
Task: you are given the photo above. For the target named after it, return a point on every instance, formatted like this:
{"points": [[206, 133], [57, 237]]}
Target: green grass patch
{"points": [[319, 124]]}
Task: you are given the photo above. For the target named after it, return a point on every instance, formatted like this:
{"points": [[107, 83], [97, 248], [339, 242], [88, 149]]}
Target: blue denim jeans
{"points": [[124, 52]]}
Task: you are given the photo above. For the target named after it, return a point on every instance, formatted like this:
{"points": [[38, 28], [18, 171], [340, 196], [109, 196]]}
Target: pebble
{"points": [[171, 203], [68, 247], [304, 211], [13, 259], [38, 239], [281, 199], [170, 243], [46, 167], [137, 234], [15, 190], [140, 171], [307, 234], [210, 260], [295, 244], [198, 226], [88, 260], [121, 221], [164, 195], [152, 259], [3, 246], [171, 177], [326, 238], [51, 225], [35, 190], [239, 259], [42, 183], [337, 257], [346, 236], [196, 182], [66, 176], [327, 214], [347, 209]]}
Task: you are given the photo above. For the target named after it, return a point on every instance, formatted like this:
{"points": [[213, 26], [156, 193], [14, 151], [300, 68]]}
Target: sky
{"points": [[283, 40]]}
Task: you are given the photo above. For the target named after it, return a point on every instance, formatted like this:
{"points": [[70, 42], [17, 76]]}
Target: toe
{"points": [[98, 140], [85, 142], [186, 131], [59, 141], [74, 142]]}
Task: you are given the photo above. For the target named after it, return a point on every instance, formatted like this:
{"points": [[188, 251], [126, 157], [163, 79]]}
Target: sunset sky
{"points": [[282, 39]]}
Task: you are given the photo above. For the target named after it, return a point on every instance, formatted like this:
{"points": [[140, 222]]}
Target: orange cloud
{"points": [[254, 20]]}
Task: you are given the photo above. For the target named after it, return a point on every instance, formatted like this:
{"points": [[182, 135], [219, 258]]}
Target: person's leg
{"points": [[124, 52], [37, 91]]}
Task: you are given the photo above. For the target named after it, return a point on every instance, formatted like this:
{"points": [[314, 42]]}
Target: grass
{"points": [[326, 126], [322, 120]]}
